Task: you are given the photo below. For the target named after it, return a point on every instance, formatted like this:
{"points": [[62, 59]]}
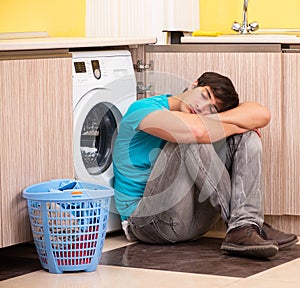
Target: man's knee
{"points": [[252, 142]]}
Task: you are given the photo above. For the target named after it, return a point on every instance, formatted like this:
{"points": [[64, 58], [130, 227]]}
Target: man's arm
{"points": [[248, 115], [180, 127]]}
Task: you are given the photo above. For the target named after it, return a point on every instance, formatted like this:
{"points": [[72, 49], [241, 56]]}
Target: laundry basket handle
{"points": [[68, 195]]}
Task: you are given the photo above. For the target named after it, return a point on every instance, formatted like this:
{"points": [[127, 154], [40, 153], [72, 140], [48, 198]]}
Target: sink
{"points": [[268, 33], [279, 31], [261, 35]]}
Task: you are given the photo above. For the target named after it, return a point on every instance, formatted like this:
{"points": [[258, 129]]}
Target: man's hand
{"points": [[257, 132]]}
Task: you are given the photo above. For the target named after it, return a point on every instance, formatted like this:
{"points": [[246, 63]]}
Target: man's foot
{"points": [[128, 233], [283, 239], [246, 241]]}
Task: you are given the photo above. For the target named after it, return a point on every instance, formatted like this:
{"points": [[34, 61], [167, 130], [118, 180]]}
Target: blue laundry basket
{"points": [[68, 221]]}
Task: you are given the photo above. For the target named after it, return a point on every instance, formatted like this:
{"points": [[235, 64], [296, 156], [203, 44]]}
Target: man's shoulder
{"points": [[159, 102]]}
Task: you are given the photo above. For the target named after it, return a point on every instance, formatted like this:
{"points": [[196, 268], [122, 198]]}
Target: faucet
{"points": [[245, 28]]}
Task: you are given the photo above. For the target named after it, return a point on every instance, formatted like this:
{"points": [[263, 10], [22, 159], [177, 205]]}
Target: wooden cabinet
{"points": [[257, 76], [36, 132], [291, 136]]}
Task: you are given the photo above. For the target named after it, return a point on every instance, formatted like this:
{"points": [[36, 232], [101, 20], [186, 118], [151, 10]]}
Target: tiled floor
{"points": [[283, 276]]}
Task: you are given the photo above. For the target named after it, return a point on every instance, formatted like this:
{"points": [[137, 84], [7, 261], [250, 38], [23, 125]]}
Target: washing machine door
{"points": [[96, 122]]}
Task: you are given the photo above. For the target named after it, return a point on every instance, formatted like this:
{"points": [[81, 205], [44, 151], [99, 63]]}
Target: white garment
{"points": [[129, 235]]}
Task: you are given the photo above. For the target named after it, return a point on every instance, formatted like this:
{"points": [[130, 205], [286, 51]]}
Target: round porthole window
{"points": [[97, 137]]}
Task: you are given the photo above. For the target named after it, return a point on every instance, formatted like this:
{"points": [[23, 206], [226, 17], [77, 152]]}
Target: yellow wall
{"points": [[67, 17], [218, 15], [57, 17]]}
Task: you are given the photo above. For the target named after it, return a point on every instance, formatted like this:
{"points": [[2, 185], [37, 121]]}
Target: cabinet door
{"points": [[36, 135], [256, 76], [291, 137]]}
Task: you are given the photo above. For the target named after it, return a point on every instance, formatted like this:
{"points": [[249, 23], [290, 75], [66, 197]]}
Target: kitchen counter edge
{"points": [[68, 43]]}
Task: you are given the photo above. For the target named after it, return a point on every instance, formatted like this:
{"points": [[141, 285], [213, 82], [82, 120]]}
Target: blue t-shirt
{"points": [[135, 153]]}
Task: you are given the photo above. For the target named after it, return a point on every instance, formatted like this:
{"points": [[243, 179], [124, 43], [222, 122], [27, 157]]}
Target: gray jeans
{"points": [[192, 185]]}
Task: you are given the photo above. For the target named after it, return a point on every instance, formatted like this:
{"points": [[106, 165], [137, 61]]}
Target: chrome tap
{"points": [[245, 28]]}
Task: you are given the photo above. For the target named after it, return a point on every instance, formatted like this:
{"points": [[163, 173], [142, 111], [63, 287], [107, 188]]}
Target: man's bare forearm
{"points": [[248, 115]]}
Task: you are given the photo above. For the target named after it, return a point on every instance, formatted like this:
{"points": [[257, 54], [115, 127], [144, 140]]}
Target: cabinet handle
{"points": [[296, 50]]}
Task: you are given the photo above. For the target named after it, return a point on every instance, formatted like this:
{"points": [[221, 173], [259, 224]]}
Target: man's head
{"points": [[222, 88], [210, 93]]}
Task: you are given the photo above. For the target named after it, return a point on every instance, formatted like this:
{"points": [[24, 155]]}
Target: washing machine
{"points": [[104, 85]]}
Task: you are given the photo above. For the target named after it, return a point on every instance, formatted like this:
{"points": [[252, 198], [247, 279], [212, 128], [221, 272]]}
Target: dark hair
{"points": [[222, 88]]}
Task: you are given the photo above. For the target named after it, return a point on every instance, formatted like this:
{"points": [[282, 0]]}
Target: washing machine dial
{"points": [[96, 69], [97, 73]]}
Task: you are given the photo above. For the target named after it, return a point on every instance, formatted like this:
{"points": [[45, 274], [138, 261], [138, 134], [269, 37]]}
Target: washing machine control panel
{"points": [[85, 70], [101, 68]]}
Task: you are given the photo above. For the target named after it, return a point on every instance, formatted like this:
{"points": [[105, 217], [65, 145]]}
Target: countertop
{"points": [[71, 42], [42, 43]]}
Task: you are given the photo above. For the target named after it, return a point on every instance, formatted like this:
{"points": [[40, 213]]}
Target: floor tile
{"points": [[114, 241], [117, 277], [200, 257], [18, 260], [287, 272], [255, 283]]}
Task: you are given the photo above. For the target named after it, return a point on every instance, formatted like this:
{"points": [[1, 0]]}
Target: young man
{"points": [[181, 162]]}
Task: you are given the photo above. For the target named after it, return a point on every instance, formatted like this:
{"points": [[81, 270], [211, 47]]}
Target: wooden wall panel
{"points": [[291, 135], [36, 134]]}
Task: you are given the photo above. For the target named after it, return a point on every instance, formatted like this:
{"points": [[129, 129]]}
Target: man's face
{"points": [[200, 100]]}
